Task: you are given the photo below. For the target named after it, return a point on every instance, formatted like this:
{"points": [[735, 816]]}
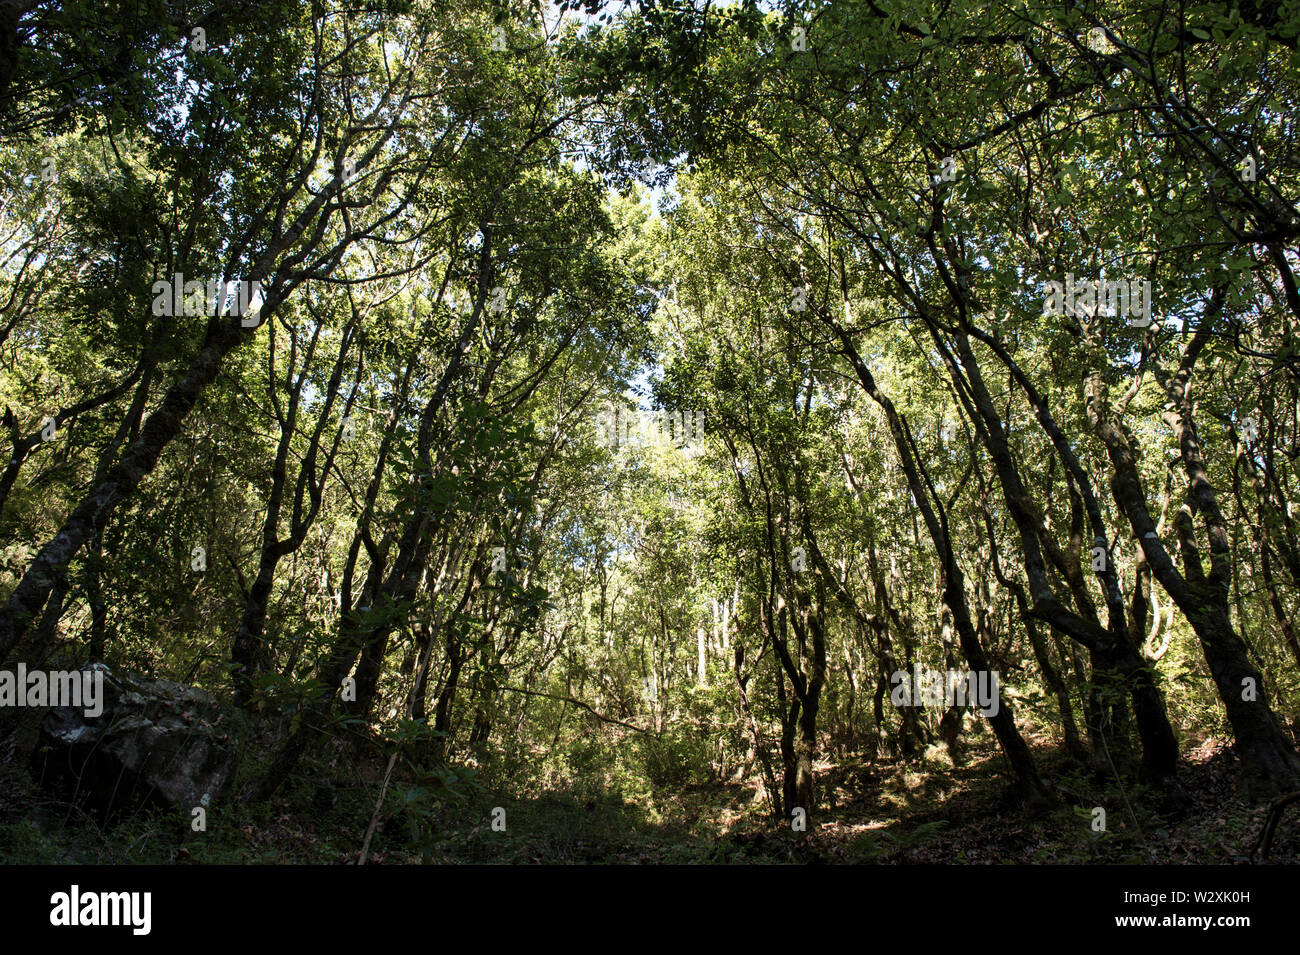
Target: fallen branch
{"points": [[1265, 840], [569, 699]]}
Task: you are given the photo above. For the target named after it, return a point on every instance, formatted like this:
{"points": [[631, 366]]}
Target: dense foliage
{"points": [[625, 396]]}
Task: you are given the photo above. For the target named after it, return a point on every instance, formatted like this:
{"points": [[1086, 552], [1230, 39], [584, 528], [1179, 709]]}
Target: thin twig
{"points": [[569, 699]]}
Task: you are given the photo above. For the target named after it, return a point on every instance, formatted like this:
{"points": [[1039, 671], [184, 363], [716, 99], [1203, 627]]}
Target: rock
{"points": [[156, 743]]}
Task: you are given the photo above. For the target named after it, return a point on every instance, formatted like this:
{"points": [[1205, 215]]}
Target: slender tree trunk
{"points": [[121, 480], [760, 748], [1268, 759], [1027, 784]]}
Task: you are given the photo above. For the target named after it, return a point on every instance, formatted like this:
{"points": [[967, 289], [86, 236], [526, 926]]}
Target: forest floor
{"points": [[886, 812]]}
